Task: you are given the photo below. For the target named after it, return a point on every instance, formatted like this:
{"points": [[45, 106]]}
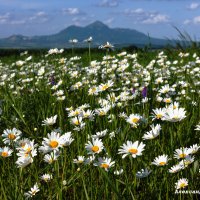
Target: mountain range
{"points": [[100, 32]]}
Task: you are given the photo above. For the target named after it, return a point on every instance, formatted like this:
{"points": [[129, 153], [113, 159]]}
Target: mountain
{"points": [[100, 32]]}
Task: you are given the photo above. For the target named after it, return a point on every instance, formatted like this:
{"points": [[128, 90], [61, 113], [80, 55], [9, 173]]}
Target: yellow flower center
{"points": [[159, 116], [76, 112], [76, 122], [135, 120], [4, 154], [33, 192], [104, 87], [168, 100], [28, 150], [186, 163], [162, 163], [182, 155], [101, 113], [95, 148], [104, 165], [165, 91], [133, 151], [53, 144], [175, 117], [182, 185], [11, 136], [94, 89], [26, 155]]}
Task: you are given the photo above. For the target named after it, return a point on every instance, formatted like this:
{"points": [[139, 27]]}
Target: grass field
{"points": [[109, 125]]}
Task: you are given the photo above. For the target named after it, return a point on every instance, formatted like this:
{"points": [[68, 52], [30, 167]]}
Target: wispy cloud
{"points": [[4, 18], [14, 19], [109, 21], [193, 6], [72, 11], [108, 3], [195, 20], [155, 19], [7, 18], [80, 21], [146, 17], [39, 17]]}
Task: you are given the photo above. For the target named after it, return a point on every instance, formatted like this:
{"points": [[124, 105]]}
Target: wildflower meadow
{"points": [[107, 125]]}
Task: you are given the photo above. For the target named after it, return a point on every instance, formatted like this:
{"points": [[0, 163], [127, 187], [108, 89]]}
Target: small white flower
{"points": [[118, 172], [46, 177], [181, 183], [161, 160], [96, 146], [105, 163], [32, 191], [143, 173], [133, 149], [49, 121]]}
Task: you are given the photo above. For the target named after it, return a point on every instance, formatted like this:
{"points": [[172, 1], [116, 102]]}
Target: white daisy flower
{"points": [[133, 149], [182, 153], [181, 183], [153, 133], [161, 160], [186, 161], [66, 139], [105, 163], [134, 119], [96, 146], [52, 143], [50, 158], [49, 121], [35, 189], [79, 160], [46, 177], [194, 148], [174, 115], [5, 152], [11, 135], [24, 161], [175, 168], [197, 128], [158, 113]]}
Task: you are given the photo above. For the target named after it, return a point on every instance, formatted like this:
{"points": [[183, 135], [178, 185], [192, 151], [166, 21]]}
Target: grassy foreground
{"points": [[123, 126]]}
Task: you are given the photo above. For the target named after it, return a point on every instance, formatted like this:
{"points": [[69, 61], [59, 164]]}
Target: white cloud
{"points": [[80, 21], [108, 3], [146, 17], [39, 17], [109, 21], [71, 11], [7, 18], [193, 6], [4, 18], [187, 21], [13, 19], [196, 20], [155, 19]]}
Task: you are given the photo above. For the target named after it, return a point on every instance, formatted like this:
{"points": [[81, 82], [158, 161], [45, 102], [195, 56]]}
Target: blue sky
{"points": [[153, 17]]}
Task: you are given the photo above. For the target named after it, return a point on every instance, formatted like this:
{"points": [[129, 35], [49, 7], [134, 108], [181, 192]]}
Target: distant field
{"points": [[99, 124]]}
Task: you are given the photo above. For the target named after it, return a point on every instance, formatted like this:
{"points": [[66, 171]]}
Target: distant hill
{"points": [[100, 32]]}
